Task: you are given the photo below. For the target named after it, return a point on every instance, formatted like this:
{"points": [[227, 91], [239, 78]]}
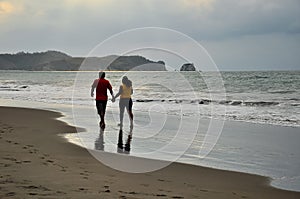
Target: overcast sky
{"points": [[238, 34]]}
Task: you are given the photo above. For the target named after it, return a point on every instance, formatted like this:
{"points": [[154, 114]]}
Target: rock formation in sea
{"points": [[188, 67]]}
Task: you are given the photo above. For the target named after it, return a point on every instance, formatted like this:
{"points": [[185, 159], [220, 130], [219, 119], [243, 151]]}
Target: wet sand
{"points": [[37, 163]]}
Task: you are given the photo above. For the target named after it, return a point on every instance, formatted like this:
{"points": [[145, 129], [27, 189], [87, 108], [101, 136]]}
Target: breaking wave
{"points": [[208, 101]]}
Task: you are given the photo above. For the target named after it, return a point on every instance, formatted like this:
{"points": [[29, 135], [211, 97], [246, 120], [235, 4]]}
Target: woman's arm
{"points": [[119, 93]]}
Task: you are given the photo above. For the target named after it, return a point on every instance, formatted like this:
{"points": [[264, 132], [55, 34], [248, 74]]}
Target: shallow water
{"points": [[260, 97], [267, 150]]}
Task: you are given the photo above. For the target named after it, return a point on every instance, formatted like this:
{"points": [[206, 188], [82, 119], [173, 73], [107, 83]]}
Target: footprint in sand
{"points": [[34, 187], [145, 185], [49, 163], [161, 195], [162, 190], [203, 190], [62, 168], [33, 150], [60, 192], [82, 189], [85, 175], [106, 189], [161, 180], [16, 161], [10, 158], [189, 185], [10, 194], [46, 155]]}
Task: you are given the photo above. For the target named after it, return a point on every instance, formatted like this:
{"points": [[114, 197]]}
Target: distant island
{"points": [[58, 61]]}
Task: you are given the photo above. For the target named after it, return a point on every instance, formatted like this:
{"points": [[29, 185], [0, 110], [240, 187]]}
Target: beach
{"points": [[214, 99], [36, 162]]}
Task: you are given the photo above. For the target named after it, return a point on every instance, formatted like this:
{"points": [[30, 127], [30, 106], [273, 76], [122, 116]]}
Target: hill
{"points": [[58, 61]]}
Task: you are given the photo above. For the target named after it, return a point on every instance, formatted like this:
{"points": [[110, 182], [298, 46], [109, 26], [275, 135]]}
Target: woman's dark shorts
{"points": [[125, 102]]}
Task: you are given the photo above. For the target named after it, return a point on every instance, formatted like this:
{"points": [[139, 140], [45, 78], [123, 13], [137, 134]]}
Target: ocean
{"points": [[258, 97], [177, 115]]}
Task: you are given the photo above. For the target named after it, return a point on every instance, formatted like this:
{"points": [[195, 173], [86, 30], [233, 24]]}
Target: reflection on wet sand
{"points": [[121, 148], [99, 142], [124, 148]]}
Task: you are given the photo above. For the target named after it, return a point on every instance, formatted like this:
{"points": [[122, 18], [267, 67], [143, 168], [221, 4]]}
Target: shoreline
{"points": [[54, 107], [36, 162]]}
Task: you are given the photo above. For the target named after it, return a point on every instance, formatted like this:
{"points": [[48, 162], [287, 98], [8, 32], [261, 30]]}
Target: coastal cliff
{"points": [[58, 61]]}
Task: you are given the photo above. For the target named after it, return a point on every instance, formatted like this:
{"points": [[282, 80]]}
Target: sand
{"points": [[37, 163]]}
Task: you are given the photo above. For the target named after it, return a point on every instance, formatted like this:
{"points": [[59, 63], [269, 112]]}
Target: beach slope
{"points": [[37, 163]]}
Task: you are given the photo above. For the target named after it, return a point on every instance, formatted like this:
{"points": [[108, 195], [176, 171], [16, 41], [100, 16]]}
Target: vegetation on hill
{"points": [[58, 61]]}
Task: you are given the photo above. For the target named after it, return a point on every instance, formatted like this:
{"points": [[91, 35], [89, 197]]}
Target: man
{"points": [[101, 86]]}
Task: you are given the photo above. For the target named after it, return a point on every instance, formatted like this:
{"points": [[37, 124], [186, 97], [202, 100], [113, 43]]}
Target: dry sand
{"points": [[37, 163]]}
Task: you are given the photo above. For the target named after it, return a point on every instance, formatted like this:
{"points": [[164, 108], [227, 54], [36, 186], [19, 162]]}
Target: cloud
{"points": [[202, 19], [233, 18], [198, 3], [256, 52], [76, 26]]}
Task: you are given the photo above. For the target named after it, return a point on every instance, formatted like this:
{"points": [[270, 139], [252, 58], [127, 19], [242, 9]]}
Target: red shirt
{"points": [[101, 86]]}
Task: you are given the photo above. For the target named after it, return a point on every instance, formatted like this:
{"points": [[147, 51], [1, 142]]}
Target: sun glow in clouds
{"points": [[9, 10], [6, 8]]}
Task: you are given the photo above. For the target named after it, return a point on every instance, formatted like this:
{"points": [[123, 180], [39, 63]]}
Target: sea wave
{"points": [[208, 101], [282, 91], [13, 88], [260, 77]]}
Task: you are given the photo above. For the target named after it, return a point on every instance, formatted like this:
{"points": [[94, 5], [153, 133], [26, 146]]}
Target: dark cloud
{"points": [[77, 26]]}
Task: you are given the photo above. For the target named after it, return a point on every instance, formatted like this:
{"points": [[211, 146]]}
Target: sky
{"points": [[236, 34]]}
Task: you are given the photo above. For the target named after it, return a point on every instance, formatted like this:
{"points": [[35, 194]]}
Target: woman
{"points": [[125, 93]]}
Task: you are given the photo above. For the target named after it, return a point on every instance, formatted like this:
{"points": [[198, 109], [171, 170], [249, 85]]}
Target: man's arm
{"points": [[92, 91], [93, 88], [111, 91]]}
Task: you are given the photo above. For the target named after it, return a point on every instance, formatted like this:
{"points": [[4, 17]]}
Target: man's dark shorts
{"points": [[101, 106]]}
